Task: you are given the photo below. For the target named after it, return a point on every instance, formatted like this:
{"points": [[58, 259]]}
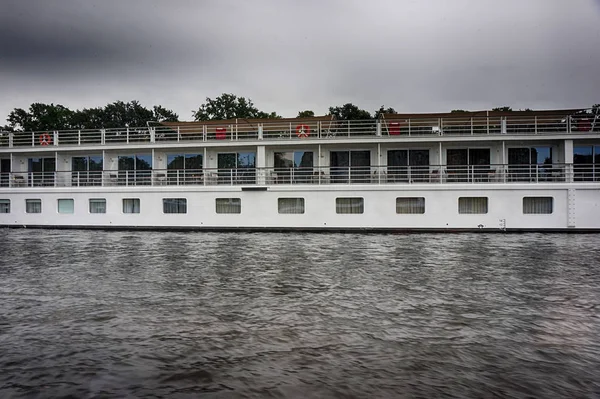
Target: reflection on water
{"points": [[143, 314]]}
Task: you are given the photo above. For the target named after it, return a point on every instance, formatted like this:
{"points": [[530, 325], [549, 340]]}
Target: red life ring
{"points": [[45, 139], [302, 131]]}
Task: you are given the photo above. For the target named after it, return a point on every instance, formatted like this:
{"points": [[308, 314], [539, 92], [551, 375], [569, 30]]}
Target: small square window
{"points": [[97, 205], [174, 205], [349, 205], [229, 205], [290, 205], [537, 205], [4, 206], [66, 205], [473, 205], [131, 205], [33, 206]]}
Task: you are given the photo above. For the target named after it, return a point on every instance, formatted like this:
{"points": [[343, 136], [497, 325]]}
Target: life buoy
{"points": [[302, 131], [45, 139]]}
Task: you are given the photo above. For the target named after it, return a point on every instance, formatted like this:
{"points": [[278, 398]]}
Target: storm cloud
{"points": [[416, 56]]}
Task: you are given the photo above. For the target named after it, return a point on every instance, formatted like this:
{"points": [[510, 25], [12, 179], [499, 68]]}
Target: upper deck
{"points": [[478, 124]]}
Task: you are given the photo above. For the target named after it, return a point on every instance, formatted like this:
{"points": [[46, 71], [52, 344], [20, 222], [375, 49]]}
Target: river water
{"points": [[94, 314]]}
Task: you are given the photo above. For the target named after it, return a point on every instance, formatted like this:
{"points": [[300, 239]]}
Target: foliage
{"points": [[230, 106], [503, 109], [57, 117], [349, 112], [41, 117], [457, 111], [306, 114], [382, 110]]}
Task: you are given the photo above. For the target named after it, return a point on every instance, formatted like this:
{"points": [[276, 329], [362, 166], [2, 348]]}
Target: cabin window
{"points": [[4, 172], [293, 166], [184, 168], [66, 205], [410, 205], [468, 164], [97, 205], [4, 206], [349, 205], [86, 171], [408, 165], [33, 206], [350, 166], [229, 205], [236, 168], [473, 205], [290, 205], [135, 170], [586, 160], [529, 163], [41, 171], [174, 205], [537, 205], [131, 205]]}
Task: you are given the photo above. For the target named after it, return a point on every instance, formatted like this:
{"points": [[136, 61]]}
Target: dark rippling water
{"points": [[87, 314]]}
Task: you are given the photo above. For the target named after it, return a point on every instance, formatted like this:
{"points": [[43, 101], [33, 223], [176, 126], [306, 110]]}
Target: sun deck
{"points": [[521, 123]]}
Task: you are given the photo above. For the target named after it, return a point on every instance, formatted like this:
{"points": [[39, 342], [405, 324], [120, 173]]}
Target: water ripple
{"points": [[89, 314]]}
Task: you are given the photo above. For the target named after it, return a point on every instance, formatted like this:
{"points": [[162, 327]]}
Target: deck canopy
{"points": [[221, 128]]}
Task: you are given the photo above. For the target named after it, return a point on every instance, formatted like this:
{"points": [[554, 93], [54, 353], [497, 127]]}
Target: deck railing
{"points": [[432, 174], [306, 130]]}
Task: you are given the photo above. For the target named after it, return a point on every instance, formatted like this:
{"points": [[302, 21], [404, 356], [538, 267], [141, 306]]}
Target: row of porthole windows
{"points": [[343, 205]]}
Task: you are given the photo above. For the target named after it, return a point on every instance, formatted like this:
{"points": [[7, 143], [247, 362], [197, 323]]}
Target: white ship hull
{"points": [[575, 208]]}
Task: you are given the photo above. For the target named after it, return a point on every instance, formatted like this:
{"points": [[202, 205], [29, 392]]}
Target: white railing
{"points": [[435, 174], [306, 130]]}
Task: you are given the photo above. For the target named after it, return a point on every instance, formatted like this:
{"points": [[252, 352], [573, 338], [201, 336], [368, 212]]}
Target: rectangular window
{"points": [[349, 205], [350, 166], [97, 205], [537, 205], [410, 205], [66, 205], [296, 166], [131, 205], [33, 206], [4, 206], [174, 205], [290, 205], [229, 205], [473, 205]]}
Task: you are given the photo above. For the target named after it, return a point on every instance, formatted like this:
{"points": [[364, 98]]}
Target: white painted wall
{"points": [[259, 208]]}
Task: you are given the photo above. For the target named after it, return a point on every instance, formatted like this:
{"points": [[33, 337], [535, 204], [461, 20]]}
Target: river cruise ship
{"points": [[466, 171]]}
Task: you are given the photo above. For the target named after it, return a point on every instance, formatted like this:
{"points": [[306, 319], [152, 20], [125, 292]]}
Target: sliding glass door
{"points": [[350, 166]]}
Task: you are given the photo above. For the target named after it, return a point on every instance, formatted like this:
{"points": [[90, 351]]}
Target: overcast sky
{"points": [[287, 56]]}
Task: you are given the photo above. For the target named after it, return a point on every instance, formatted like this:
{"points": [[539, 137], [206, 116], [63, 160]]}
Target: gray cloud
{"points": [[288, 55]]}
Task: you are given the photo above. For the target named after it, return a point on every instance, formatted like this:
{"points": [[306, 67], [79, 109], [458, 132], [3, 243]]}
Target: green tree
{"points": [[382, 110], [41, 117], [120, 114], [503, 109], [89, 118], [349, 112], [57, 117], [305, 114], [162, 114], [229, 106], [457, 111]]}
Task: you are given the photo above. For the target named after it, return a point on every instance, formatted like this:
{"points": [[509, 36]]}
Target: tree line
{"points": [[40, 116]]}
